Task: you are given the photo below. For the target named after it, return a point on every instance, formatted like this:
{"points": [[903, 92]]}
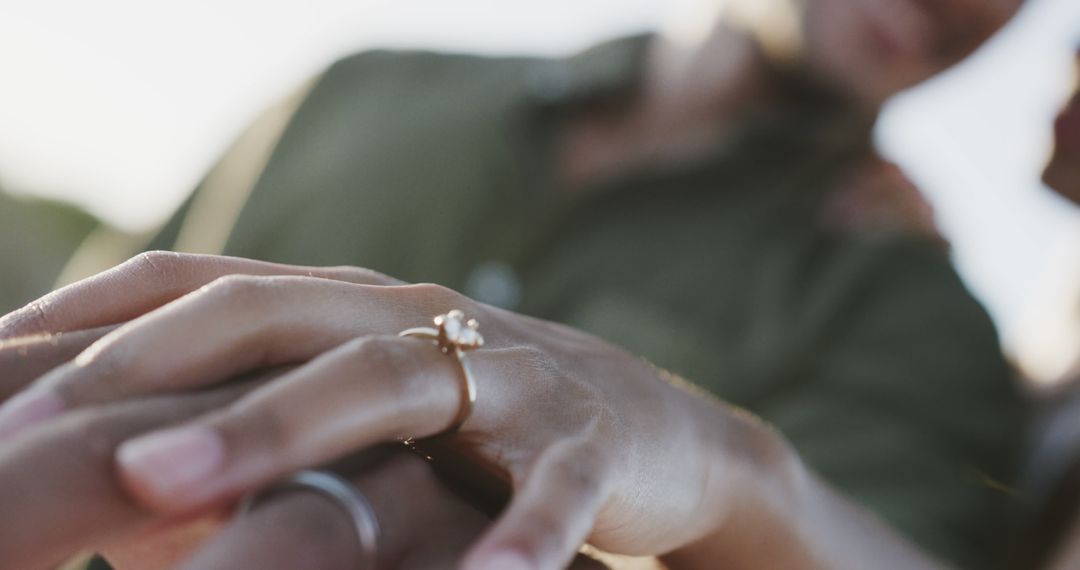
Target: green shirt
{"points": [[864, 348], [36, 239]]}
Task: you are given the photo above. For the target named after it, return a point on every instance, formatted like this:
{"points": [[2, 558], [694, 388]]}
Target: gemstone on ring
{"points": [[454, 336], [455, 332]]}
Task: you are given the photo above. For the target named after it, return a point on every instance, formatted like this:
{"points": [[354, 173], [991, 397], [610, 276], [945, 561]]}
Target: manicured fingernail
{"points": [[172, 460], [504, 560], [27, 409]]}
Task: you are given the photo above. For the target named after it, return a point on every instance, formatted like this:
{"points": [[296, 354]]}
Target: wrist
{"points": [[772, 512], [753, 497]]}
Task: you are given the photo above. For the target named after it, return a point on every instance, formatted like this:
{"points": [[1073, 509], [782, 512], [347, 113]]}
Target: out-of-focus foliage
{"points": [[37, 237]]}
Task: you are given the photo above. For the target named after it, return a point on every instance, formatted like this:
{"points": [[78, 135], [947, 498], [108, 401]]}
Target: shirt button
{"points": [[495, 283]]}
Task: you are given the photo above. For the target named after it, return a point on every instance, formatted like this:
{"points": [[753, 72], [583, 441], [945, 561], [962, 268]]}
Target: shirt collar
{"points": [[609, 69], [615, 68]]}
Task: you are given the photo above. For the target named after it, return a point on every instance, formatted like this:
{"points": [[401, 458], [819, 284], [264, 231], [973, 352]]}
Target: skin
{"points": [[700, 80], [1063, 172], [598, 445], [71, 462], [595, 444], [904, 42], [33, 356]]}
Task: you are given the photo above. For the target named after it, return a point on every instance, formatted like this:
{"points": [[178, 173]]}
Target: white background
{"points": [[121, 105]]}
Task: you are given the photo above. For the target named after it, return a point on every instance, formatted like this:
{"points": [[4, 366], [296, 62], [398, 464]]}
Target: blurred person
{"points": [[708, 200]]}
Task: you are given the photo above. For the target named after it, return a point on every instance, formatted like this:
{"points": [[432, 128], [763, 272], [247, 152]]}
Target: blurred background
{"points": [[120, 107]]}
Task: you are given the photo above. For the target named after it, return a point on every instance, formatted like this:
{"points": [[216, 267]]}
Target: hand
{"points": [[422, 526], [59, 492], [60, 496], [596, 445], [24, 359]]}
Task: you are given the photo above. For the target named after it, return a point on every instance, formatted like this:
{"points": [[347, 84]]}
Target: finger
{"points": [[164, 546], [24, 359], [221, 331], [58, 486], [551, 515], [421, 524], [368, 391], [294, 531], [582, 562], [148, 281]]}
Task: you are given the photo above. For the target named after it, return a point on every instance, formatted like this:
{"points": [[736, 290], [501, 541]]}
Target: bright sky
{"points": [[121, 105]]}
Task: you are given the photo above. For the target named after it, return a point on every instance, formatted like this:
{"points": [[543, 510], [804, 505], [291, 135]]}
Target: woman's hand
{"points": [[58, 489], [596, 445], [60, 496], [422, 526]]}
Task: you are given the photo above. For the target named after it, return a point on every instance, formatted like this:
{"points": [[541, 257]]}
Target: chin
{"points": [[853, 65]]}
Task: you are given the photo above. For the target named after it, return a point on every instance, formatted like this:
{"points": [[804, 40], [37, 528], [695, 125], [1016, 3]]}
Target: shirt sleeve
{"points": [[903, 401]]}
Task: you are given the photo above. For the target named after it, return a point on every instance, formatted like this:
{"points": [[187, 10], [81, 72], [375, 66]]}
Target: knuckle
{"points": [[583, 474], [238, 289], [158, 264], [228, 285], [362, 348], [395, 351], [389, 360], [393, 372], [361, 275], [247, 425], [35, 317], [106, 357], [385, 353], [436, 297], [105, 366], [605, 425], [31, 320]]}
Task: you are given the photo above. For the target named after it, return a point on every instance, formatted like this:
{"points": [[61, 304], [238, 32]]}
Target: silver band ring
{"points": [[341, 493]]}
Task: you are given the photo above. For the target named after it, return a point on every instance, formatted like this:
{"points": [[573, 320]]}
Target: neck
{"points": [[706, 81], [694, 88]]}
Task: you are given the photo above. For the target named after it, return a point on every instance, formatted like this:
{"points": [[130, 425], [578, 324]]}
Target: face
{"points": [[875, 48], [1063, 172]]}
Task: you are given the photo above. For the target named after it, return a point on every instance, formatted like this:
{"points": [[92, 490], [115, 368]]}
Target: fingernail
{"points": [[172, 460], [27, 409], [505, 560]]}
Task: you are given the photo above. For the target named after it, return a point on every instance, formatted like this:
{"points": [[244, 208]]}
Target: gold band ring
{"points": [[454, 335]]}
